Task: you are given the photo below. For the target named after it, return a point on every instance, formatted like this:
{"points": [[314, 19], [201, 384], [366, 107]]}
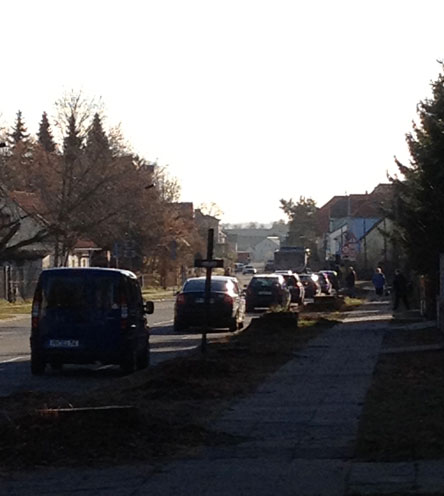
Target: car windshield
{"points": [[216, 285]]}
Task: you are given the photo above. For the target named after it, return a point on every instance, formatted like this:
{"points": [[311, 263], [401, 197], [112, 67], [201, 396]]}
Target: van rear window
{"points": [[74, 292]]}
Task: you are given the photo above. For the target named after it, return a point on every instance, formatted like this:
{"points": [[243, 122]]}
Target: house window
{"points": [[5, 220]]}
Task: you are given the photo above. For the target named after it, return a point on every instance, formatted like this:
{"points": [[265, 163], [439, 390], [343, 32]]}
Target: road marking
{"points": [[13, 359], [161, 323]]}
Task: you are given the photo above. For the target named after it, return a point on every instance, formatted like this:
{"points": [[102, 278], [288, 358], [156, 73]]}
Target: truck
{"points": [[292, 258]]}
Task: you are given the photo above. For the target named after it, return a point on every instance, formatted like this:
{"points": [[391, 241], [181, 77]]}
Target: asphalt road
{"points": [[15, 375]]}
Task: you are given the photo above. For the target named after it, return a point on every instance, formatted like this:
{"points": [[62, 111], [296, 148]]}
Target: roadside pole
{"points": [[209, 263]]}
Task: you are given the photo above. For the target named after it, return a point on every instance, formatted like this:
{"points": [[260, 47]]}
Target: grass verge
{"points": [[403, 418], [174, 402], [8, 310], [158, 293]]}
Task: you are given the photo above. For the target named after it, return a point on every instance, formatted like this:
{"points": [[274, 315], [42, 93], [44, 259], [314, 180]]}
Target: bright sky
{"points": [[247, 101]]}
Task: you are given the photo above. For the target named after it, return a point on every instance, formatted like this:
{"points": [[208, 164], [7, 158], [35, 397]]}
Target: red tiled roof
{"points": [[85, 244], [358, 205], [30, 202]]}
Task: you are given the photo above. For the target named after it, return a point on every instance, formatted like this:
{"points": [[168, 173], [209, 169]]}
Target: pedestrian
{"points": [[378, 281], [350, 281], [400, 288]]}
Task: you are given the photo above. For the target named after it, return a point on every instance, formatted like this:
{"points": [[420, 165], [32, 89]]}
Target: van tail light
{"points": [[180, 300], [36, 307], [123, 313]]}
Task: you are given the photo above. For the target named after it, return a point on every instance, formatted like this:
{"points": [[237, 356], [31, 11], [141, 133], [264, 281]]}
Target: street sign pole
{"points": [[209, 263], [210, 249]]}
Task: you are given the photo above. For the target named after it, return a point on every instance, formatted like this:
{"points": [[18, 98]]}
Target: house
{"points": [[264, 250], [376, 247], [25, 230], [344, 222], [205, 222], [257, 242]]}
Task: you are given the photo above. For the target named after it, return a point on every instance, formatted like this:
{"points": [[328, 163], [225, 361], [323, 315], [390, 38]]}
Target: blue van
{"points": [[88, 315]]}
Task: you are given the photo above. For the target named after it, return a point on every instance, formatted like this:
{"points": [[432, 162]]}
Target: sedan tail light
{"points": [[228, 299]]}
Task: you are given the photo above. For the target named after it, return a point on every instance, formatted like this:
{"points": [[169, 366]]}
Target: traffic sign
{"points": [[209, 264]]}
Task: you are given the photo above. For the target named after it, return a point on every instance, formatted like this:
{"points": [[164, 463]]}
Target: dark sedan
{"points": [[296, 288], [226, 305], [324, 282], [311, 285], [266, 290]]}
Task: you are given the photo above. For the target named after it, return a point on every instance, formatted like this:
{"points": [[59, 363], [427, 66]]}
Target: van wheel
{"points": [[38, 365], [143, 358], [178, 326], [128, 362], [56, 365]]}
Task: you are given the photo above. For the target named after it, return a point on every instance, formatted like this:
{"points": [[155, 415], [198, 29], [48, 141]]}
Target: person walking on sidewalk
{"points": [[350, 281], [378, 281], [400, 288]]}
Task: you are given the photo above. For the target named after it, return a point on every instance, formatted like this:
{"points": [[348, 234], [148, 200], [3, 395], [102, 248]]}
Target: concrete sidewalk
{"points": [[299, 427]]}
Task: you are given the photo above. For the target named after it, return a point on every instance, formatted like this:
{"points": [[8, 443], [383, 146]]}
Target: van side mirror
{"points": [[148, 307]]}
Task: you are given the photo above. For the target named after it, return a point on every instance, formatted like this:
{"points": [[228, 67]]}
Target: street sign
{"points": [[209, 264]]}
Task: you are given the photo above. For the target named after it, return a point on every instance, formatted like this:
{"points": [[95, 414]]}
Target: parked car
{"points": [[324, 283], [85, 315], [295, 287], [249, 269], [311, 286], [266, 290], [227, 304], [238, 267]]}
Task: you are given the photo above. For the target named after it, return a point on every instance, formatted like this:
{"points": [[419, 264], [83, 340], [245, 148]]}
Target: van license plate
{"points": [[264, 293], [63, 343]]}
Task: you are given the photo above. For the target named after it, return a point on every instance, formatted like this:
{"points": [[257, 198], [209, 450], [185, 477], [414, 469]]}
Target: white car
{"points": [[249, 269]]}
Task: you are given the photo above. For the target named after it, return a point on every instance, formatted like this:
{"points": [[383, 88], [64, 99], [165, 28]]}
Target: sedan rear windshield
{"points": [[258, 282], [199, 285]]}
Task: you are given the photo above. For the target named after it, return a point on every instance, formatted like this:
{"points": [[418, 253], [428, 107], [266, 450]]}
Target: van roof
{"points": [[90, 270]]}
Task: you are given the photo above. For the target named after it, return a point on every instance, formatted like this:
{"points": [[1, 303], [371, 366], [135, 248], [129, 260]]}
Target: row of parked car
{"points": [[229, 302], [84, 315]]}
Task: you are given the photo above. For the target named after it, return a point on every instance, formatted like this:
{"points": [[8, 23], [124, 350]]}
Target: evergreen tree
{"points": [[45, 136], [72, 143], [97, 143], [419, 194], [19, 131]]}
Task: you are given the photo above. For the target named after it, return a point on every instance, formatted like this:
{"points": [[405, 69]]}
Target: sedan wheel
{"points": [[234, 325]]}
